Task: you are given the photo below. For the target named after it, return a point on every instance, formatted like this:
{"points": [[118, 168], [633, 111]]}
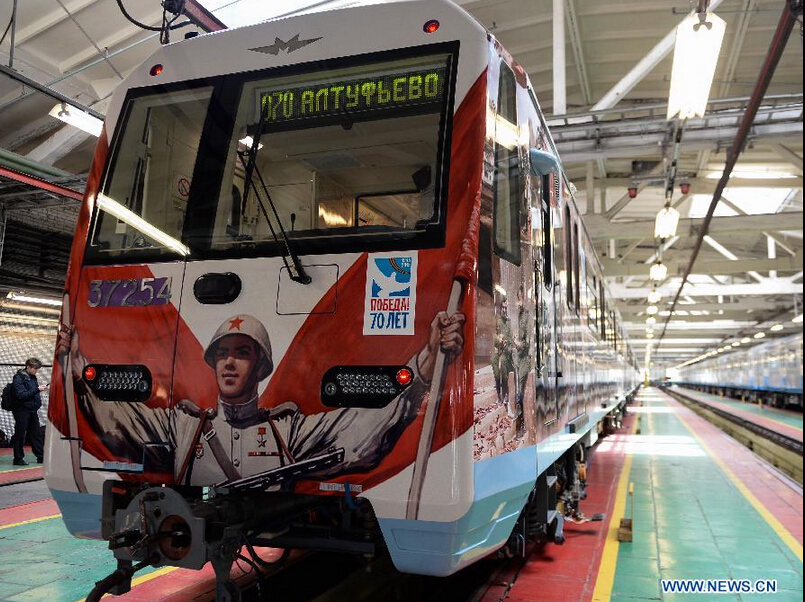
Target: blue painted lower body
{"points": [[502, 486], [81, 512]]}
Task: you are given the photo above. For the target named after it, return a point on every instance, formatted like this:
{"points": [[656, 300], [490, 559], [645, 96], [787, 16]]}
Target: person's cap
{"points": [[248, 326]]}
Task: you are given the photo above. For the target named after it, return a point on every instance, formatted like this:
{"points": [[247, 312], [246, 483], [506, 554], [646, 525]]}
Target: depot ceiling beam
{"points": [[780, 286], [27, 81], [642, 68], [734, 315], [627, 146], [743, 18], [116, 37], [39, 183], [787, 155], [720, 267], [755, 304], [703, 185], [50, 19], [578, 51], [600, 228]]}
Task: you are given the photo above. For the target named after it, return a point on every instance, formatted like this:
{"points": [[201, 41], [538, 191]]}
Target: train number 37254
{"points": [[131, 292]]}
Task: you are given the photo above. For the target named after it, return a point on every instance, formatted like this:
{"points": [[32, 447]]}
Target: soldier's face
{"points": [[236, 361]]}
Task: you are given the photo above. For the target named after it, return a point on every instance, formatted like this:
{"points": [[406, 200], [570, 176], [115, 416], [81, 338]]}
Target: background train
{"points": [[770, 372], [329, 291]]}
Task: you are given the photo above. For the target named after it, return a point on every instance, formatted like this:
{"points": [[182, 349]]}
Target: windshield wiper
{"points": [[295, 268]]}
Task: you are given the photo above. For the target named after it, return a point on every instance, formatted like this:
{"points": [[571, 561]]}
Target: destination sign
{"points": [[353, 99]]}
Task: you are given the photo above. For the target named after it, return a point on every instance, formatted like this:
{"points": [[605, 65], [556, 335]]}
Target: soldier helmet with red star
{"points": [[248, 326]]}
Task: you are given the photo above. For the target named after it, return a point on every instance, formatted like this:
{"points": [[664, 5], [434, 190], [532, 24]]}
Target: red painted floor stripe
{"points": [[568, 573], [772, 425], [759, 477], [32, 510], [21, 474]]}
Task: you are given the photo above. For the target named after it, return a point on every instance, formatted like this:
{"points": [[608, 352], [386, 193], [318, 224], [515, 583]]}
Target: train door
{"points": [[545, 335], [561, 290]]}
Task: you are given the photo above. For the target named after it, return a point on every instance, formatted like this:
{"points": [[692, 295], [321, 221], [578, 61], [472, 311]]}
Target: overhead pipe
{"points": [[786, 24]]}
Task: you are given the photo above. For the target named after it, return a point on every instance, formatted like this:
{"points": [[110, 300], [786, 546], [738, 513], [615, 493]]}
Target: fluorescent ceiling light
{"points": [[124, 214], [651, 320], [746, 340], [77, 118], [695, 57], [797, 319], [776, 328], [652, 310], [27, 299], [666, 223], [658, 271], [654, 297], [760, 335], [248, 142]]}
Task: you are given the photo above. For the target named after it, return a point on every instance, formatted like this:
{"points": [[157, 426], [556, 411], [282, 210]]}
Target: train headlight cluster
{"points": [[119, 382], [364, 386]]}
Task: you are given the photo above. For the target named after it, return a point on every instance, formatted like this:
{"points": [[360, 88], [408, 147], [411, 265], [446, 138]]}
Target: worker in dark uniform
{"points": [[523, 360], [502, 362], [239, 438], [28, 400]]}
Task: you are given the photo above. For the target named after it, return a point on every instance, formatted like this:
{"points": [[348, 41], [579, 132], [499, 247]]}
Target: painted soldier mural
{"points": [[238, 438], [522, 366], [502, 359]]}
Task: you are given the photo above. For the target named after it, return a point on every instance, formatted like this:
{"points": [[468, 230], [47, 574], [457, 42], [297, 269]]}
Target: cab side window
{"points": [[508, 183]]}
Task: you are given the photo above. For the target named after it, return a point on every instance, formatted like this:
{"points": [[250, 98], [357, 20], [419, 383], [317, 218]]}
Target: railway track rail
{"points": [[782, 451]]}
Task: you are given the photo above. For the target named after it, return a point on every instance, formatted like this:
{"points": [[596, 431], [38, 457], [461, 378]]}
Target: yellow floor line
{"points": [[775, 524], [144, 578], [29, 521], [609, 557]]}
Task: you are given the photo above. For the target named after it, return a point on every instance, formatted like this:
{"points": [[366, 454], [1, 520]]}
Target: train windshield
{"points": [[352, 152], [339, 159]]}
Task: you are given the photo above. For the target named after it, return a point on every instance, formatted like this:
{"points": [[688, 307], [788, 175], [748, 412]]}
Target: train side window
{"points": [[569, 278], [593, 312], [547, 232], [602, 316], [576, 266], [508, 183]]}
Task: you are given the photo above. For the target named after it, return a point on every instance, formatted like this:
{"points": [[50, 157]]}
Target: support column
{"points": [[559, 78], [771, 246], [590, 187]]}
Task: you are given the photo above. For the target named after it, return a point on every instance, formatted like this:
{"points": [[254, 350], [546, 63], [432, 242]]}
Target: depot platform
{"points": [[781, 421], [705, 507]]}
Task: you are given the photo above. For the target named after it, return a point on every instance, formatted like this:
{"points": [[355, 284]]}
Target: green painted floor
{"points": [[784, 417], [42, 562], [7, 460], [691, 521]]}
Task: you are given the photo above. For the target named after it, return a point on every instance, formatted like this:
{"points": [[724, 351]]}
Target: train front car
{"points": [[329, 289], [270, 301]]}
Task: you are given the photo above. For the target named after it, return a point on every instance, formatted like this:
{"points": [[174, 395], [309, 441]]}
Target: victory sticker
{"points": [[390, 293]]}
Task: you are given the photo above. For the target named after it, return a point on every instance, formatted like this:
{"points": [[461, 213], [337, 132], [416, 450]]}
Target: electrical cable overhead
{"points": [[175, 7]]}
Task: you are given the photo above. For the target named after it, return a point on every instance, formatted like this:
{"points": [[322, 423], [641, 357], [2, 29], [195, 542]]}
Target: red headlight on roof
{"points": [[156, 70], [431, 26]]}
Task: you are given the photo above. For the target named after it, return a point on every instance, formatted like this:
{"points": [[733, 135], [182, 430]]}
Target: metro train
{"points": [[329, 289], [770, 372]]}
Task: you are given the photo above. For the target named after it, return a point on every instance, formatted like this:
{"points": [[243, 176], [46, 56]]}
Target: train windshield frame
{"points": [[343, 155]]}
